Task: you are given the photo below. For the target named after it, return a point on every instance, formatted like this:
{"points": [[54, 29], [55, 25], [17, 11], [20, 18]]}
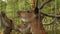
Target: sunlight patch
{"points": [[4, 0]]}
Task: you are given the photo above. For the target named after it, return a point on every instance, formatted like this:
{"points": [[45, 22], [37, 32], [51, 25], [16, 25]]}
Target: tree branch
{"points": [[44, 3], [50, 15]]}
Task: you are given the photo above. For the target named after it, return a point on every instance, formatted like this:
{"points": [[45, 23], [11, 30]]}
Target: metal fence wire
{"points": [[51, 25]]}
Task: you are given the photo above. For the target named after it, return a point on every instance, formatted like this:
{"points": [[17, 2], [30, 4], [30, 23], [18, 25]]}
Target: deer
{"points": [[31, 17], [7, 23]]}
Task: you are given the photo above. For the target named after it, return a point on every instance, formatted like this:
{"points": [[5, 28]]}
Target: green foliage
{"points": [[2, 5], [11, 7]]}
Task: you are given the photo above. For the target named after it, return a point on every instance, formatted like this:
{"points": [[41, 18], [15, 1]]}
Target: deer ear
{"points": [[19, 12]]}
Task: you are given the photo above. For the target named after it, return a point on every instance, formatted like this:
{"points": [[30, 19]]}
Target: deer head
{"points": [[26, 16]]}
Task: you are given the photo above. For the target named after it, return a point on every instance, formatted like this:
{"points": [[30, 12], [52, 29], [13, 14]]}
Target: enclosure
{"points": [[48, 15]]}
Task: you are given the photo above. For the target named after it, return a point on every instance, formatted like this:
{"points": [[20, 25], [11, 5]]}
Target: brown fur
{"points": [[33, 21]]}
